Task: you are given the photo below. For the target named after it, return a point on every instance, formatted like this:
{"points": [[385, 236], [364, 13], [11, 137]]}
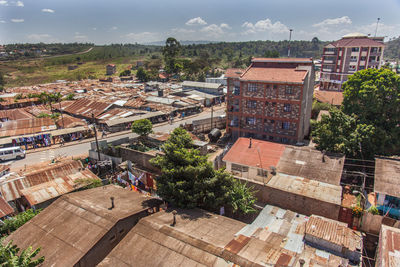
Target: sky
{"points": [[127, 21]]}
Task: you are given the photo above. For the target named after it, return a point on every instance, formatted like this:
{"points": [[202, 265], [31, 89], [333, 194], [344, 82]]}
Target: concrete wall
{"points": [[94, 155], [297, 203], [140, 159]]}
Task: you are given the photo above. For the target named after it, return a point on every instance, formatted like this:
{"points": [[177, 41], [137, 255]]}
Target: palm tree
{"points": [[9, 256]]}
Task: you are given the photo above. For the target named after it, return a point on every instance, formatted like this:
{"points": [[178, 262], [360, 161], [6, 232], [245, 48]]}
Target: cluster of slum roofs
{"points": [[306, 217]]}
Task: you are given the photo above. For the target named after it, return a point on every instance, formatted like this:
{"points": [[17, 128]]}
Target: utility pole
{"points": [[376, 29], [262, 170], [95, 136], [212, 110], [290, 38], [62, 116]]}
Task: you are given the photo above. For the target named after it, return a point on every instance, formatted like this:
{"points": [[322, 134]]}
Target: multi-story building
{"points": [[111, 69], [352, 53], [271, 99]]}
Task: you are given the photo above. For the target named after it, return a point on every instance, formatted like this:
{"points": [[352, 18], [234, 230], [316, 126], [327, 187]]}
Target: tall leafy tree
{"points": [[374, 96], [188, 180], [142, 75], [142, 127]]}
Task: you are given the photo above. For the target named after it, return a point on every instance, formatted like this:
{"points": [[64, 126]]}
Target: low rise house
{"points": [[81, 228], [388, 253], [111, 69], [198, 238], [387, 186], [209, 88], [301, 179]]}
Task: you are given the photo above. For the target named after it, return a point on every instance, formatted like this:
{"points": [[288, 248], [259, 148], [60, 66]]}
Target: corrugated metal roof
{"points": [[11, 187], [26, 126], [201, 85], [334, 232], [55, 188], [5, 208], [389, 247], [133, 118], [85, 107], [72, 225]]}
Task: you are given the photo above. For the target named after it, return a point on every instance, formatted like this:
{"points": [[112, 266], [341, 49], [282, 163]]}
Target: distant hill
{"points": [[392, 49], [162, 43]]}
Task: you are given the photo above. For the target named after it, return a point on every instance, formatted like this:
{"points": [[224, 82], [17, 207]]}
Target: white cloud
{"points": [[17, 20], [42, 37], [12, 3], [196, 21], [94, 28], [114, 28], [19, 3], [48, 10], [143, 37], [225, 26], [80, 37], [181, 31], [335, 21], [2, 21], [3, 3], [264, 26], [213, 31]]}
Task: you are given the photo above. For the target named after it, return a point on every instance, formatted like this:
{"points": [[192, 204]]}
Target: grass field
{"points": [[45, 70]]}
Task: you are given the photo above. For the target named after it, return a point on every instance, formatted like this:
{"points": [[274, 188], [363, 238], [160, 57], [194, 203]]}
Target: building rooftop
{"points": [[330, 97], [200, 238], [387, 176], [388, 247], [5, 208], [298, 161], [356, 41], [260, 154], [234, 73], [306, 187], [26, 126], [70, 227], [201, 84], [287, 75], [283, 60]]}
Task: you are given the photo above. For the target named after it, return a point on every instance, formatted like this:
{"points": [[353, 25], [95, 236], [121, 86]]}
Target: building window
{"points": [[275, 86], [272, 121], [236, 90], [252, 104], [352, 67], [252, 87], [365, 49], [380, 49], [289, 90], [251, 121], [363, 58], [353, 59], [271, 138], [374, 49], [355, 49], [261, 172], [286, 125], [284, 140], [287, 107]]}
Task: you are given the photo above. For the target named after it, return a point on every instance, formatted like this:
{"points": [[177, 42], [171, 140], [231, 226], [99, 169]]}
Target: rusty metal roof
{"points": [[389, 247], [26, 126], [67, 121], [387, 176], [85, 107], [15, 114], [334, 232], [310, 163], [10, 187], [5, 208], [55, 188], [72, 225]]}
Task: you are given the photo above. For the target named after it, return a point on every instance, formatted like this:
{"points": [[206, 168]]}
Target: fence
{"points": [[204, 125]]}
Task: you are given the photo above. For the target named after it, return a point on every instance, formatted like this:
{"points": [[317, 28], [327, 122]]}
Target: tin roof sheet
{"points": [[389, 247], [5, 208], [387, 176]]}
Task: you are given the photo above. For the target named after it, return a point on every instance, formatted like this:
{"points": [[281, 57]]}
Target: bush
{"points": [[317, 107], [17, 221]]}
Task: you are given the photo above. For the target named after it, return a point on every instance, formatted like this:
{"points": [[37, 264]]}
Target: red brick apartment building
{"points": [[271, 99], [352, 53]]}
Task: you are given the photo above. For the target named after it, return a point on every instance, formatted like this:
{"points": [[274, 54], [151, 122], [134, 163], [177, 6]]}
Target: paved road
{"points": [[83, 148]]}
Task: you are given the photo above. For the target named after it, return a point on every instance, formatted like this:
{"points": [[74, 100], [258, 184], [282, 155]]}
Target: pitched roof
{"points": [[283, 60], [5, 208], [234, 73], [267, 152], [75, 223], [389, 247], [357, 41], [330, 97], [285, 75]]}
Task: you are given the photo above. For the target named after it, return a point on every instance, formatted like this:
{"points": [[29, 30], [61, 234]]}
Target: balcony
{"points": [[329, 61], [330, 53], [327, 70]]}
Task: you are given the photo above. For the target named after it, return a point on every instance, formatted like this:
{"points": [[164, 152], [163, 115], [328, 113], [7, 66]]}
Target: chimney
{"points": [[301, 261], [250, 143], [112, 203], [174, 218]]}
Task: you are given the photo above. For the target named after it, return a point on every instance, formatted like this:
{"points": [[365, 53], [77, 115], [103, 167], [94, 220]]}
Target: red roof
{"points": [[283, 60], [354, 42], [331, 97], [274, 75], [240, 153], [234, 73]]}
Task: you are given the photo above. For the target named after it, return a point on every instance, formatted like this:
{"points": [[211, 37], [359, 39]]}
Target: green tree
{"points": [[374, 96], [2, 82], [17, 221], [70, 96], [10, 256], [188, 180], [341, 133], [142, 75], [125, 73], [172, 48], [142, 127]]}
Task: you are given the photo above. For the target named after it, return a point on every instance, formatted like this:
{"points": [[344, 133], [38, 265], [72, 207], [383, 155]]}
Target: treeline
{"points": [[392, 49]]}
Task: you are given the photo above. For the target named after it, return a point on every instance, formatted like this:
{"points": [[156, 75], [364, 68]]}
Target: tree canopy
{"points": [[142, 127], [188, 180], [368, 122], [11, 256], [142, 74]]}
